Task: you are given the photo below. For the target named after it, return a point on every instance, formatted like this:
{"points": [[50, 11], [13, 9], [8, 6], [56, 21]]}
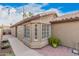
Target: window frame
{"points": [[45, 31], [27, 32], [36, 31]]}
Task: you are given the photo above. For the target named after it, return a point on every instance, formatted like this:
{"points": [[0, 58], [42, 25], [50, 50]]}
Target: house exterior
{"points": [[66, 28], [34, 31]]}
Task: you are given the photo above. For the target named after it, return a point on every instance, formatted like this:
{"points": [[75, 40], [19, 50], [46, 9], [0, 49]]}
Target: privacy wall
{"points": [[68, 33]]}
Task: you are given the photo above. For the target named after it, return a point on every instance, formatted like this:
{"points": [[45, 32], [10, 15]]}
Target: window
{"points": [[35, 31], [45, 31], [27, 32], [48, 31], [16, 31], [24, 30]]}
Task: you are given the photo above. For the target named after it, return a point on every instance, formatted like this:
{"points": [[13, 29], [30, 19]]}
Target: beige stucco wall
{"points": [[20, 32], [13, 31], [67, 32]]}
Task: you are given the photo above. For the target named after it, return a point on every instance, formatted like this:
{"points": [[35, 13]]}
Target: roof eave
{"points": [[65, 20]]}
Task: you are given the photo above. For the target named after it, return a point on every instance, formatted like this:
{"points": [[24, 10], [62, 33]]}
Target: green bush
{"points": [[4, 41], [5, 46], [54, 41]]}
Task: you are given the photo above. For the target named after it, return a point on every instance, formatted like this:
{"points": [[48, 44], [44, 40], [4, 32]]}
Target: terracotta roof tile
{"points": [[66, 18]]}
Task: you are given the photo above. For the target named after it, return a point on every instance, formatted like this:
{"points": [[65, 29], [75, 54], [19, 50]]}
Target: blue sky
{"points": [[16, 10], [64, 7]]}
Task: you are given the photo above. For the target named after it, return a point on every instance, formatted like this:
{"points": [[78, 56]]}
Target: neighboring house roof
{"points": [[34, 18], [66, 18]]}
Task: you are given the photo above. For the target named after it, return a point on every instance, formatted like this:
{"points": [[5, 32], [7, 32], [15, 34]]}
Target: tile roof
{"points": [[66, 18]]}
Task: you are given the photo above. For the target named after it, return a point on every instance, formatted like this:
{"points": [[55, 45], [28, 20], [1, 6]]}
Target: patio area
{"points": [[60, 51], [20, 49]]}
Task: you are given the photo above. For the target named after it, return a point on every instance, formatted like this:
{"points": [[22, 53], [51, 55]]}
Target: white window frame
{"points": [[45, 31], [27, 32], [35, 32]]}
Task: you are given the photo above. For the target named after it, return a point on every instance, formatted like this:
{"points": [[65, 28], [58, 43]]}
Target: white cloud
{"points": [[57, 10], [33, 8], [6, 18], [16, 13]]}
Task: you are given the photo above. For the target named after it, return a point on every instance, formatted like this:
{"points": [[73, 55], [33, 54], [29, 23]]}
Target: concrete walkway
{"points": [[19, 48]]}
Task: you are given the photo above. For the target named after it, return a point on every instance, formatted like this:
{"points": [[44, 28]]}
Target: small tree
{"points": [[30, 14]]}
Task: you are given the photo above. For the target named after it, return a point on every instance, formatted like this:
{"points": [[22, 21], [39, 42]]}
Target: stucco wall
{"points": [[13, 31], [20, 32], [67, 32]]}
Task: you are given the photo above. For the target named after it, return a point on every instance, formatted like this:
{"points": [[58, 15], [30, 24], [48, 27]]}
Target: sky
{"points": [[11, 13]]}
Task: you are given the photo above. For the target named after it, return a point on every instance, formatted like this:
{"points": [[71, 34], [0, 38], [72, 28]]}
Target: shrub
{"points": [[5, 46], [4, 41], [54, 41]]}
